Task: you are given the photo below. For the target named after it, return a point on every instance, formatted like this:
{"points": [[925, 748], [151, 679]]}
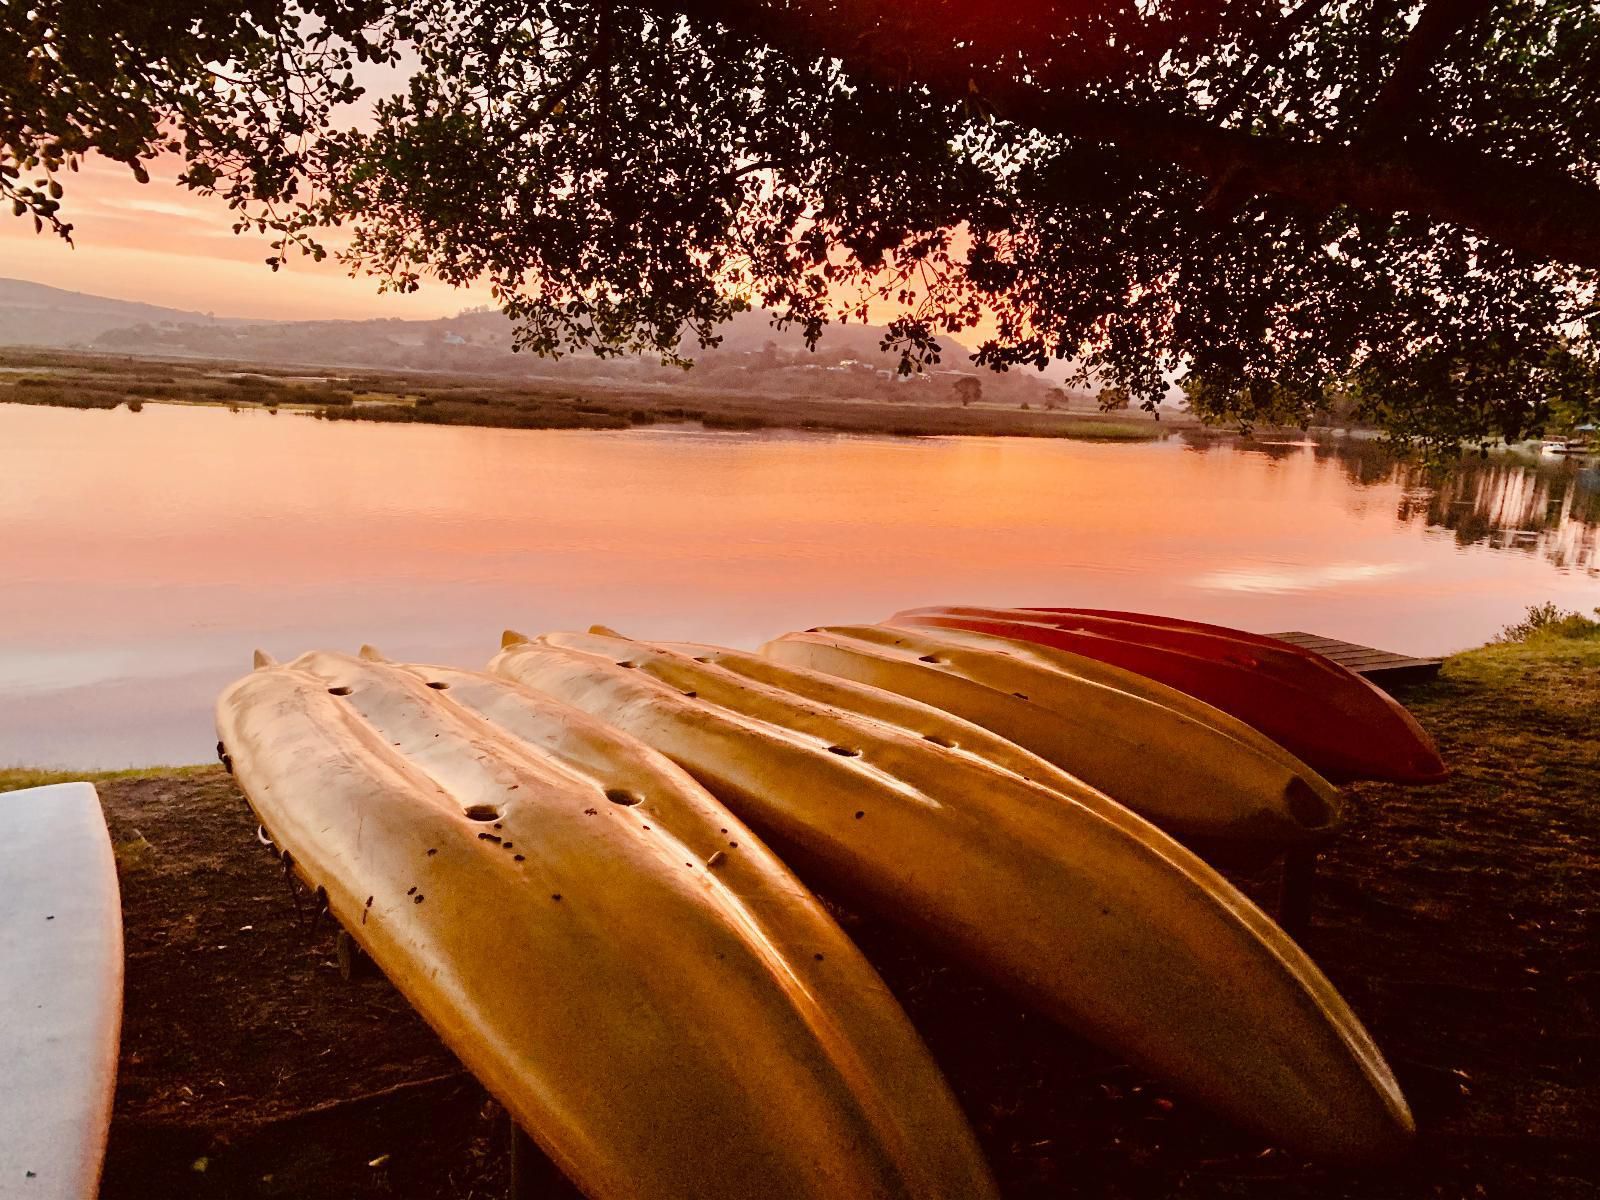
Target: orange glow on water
{"points": [[144, 555]]}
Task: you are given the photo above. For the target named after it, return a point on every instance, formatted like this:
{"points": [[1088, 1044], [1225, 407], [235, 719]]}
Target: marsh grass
{"points": [[75, 380]]}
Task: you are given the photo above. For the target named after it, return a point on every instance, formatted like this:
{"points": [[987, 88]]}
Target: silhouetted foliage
{"points": [[1396, 203]]}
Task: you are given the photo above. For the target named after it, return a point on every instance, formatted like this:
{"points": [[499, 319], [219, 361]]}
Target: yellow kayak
{"points": [[647, 989], [1190, 768], [930, 723], [1080, 907]]}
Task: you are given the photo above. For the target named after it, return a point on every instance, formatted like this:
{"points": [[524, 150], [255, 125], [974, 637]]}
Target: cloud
{"points": [[1278, 579], [162, 244]]}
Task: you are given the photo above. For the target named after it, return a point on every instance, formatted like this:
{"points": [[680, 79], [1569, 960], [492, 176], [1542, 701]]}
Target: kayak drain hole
{"points": [[844, 751], [623, 796], [438, 684], [482, 812], [933, 658], [339, 691]]}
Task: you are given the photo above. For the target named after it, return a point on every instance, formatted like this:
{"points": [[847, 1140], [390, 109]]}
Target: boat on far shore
{"points": [[1579, 441]]}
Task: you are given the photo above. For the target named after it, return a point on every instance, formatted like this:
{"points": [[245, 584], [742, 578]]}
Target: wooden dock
{"points": [[1384, 668]]}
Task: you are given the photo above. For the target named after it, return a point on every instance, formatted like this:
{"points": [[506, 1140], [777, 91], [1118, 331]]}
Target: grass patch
{"points": [[1546, 622], [1112, 431], [14, 779], [1551, 675], [735, 422]]}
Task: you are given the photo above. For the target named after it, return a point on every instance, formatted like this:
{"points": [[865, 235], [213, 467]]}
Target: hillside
{"points": [[35, 314], [753, 357]]}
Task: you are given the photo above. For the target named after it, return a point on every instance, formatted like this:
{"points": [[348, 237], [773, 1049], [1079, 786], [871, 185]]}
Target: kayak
{"points": [[1336, 721], [1196, 772], [1182, 624], [653, 996], [1072, 902], [925, 720], [60, 991]]}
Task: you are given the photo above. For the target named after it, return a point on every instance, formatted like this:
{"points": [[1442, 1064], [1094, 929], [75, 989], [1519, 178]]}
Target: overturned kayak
{"points": [[652, 995], [1075, 904], [1194, 771], [1175, 624], [60, 991], [931, 724], [1332, 718]]}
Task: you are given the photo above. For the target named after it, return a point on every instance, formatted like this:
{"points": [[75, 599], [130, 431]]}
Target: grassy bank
{"points": [[60, 379], [1458, 920], [12, 778]]}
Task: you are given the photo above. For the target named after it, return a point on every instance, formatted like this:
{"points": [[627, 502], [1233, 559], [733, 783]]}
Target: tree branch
{"points": [[1269, 47], [1543, 212], [561, 95], [1439, 24], [1531, 209]]}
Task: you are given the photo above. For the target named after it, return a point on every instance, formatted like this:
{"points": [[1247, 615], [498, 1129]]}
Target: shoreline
{"points": [[83, 380], [1456, 919]]}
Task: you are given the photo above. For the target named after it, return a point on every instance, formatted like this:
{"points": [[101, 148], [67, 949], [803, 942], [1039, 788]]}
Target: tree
{"points": [[968, 390], [1395, 201], [1113, 399]]}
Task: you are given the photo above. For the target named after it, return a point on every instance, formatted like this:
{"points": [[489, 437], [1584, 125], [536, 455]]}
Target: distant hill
{"points": [[749, 333], [752, 355], [34, 314]]}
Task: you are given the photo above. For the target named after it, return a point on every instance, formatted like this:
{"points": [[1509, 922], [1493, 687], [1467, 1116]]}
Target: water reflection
{"points": [[1511, 500], [143, 556], [1552, 511]]}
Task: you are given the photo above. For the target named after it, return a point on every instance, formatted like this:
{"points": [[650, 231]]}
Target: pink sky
{"points": [[162, 244], [159, 243]]}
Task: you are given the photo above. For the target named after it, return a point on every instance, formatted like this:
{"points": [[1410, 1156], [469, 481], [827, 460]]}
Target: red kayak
{"points": [[1329, 717], [1059, 617]]}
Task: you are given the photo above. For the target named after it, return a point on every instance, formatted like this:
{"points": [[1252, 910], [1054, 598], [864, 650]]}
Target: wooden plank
{"points": [[1382, 667], [60, 991]]}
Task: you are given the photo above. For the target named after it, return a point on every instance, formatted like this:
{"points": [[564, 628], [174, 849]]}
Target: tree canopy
{"points": [[1279, 202]]}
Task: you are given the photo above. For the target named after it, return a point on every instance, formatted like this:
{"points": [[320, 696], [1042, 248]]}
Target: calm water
{"points": [[144, 556]]}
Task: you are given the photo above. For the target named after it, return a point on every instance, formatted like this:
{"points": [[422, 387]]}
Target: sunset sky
{"points": [[162, 244], [159, 243]]}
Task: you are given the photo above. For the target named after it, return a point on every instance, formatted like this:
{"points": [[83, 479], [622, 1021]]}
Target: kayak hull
{"points": [[1190, 769], [1075, 904], [61, 967], [650, 993], [1337, 722]]}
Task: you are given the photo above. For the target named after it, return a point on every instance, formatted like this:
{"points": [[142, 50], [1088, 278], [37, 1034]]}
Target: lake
{"points": [[144, 556]]}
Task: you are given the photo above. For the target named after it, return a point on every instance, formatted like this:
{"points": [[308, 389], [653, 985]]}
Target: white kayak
{"points": [[60, 991]]}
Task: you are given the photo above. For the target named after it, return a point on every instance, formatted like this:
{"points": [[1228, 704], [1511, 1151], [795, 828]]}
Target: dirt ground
{"points": [[1460, 921]]}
